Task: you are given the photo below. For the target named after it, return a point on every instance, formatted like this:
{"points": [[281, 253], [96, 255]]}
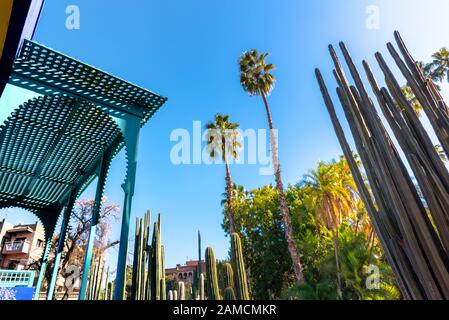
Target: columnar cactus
{"points": [[105, 293], [158, 285], [228, 276], [156, 264], [229, 294], [213, 291], [148, 281], [195, 284], [111, 291], [239, 265], [201, 287], [162, 271], [99, 283], [139, 287], [198, 271], [135, 285], [94, 280], [199, 254], [181, 290]]}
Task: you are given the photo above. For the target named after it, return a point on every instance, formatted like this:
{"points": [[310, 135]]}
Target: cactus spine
{"points": [[213, 290], [239, 265]]}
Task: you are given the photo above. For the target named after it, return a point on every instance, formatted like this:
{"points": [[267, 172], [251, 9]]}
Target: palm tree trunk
{"points": [[230, 210], [283, 207], [337, 261]]}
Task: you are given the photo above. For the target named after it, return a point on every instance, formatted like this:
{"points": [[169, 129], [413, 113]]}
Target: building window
{"points": [[12, 266], [40, 243]]}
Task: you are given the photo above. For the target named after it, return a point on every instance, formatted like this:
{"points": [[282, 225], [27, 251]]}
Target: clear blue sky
{"points": [[187, 51]]}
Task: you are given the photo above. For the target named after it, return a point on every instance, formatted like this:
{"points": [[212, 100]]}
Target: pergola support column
{"points": [[43, 268], [60, 249], [131, 135], [49, 232], [103, 170]]}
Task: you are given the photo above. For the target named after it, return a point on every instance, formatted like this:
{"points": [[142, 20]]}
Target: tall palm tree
{"points": [[223, 139], [439, 67], [239, 195], [331, 191], [256, 79]]}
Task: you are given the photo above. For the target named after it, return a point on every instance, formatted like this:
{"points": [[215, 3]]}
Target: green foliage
{"points": [[438, 69], [266, 254], [222, 137], [265, 250], [255, 73]]}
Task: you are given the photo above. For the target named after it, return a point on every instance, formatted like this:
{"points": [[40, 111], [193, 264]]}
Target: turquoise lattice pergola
{"points": [[54, 144]]}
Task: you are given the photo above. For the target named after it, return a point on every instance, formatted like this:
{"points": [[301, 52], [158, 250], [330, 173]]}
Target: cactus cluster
{"points": [[228, 282], [148, 280], [95, 280], [233, 278]]}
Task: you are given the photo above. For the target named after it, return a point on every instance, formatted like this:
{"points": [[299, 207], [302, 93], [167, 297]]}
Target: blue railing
{"points": [[15, 278]]}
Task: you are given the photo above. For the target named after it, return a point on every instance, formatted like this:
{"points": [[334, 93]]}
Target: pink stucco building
{"points": [[20, 245]]}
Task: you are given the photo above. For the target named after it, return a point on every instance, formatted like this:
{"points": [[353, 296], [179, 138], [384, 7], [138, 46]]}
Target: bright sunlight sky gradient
{"points": [[188, 51]]}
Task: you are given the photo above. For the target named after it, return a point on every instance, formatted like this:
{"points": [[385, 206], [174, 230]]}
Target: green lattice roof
{"points": [[49, 72], [54, 144], [47, 146]]}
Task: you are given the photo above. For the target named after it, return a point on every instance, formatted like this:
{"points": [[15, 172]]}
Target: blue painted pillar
{"points": [[61, 243], [43, 267], [130, 129], [49, 231], [103, 170]]}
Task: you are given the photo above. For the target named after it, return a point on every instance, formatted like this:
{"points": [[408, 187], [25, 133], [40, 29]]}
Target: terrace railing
{"points": [[16, 247], [15, 278]]}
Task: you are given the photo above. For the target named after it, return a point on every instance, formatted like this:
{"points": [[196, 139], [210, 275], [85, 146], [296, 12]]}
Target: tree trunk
{"points": [[337, 261], [283, 207], [230, 210]]}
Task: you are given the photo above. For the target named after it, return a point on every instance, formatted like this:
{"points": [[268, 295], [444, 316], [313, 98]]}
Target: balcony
{"points": [[13, 247]]}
